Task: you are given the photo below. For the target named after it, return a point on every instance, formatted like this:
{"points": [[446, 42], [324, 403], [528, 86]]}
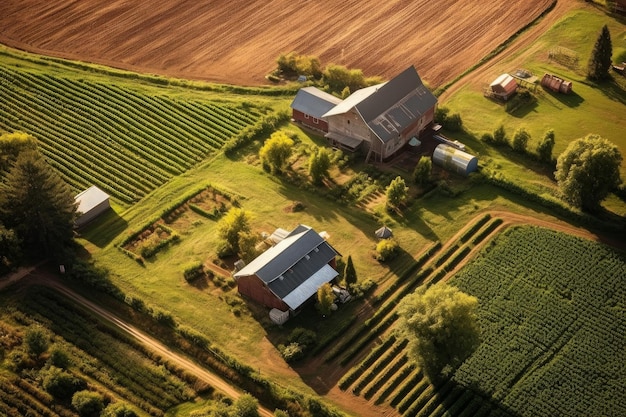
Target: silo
{"points": [[454, 159]]}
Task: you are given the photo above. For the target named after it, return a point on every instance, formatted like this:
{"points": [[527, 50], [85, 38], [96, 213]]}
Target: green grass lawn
{"points": [[591, 108]]}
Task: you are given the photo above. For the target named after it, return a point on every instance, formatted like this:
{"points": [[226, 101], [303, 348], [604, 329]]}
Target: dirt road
{"points": [[40, 276]]}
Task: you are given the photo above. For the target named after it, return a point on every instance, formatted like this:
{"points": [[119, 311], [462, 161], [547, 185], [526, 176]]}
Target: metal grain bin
{"points": [[455, 160]]}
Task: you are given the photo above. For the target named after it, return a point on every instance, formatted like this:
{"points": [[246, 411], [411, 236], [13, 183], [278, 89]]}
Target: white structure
{"points": [[91, 203]]}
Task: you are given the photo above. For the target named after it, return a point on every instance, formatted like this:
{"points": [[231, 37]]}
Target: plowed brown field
{"points": [[238, 42]]}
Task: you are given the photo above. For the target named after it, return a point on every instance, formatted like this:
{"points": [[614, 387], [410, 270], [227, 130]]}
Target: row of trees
{"points": [[37, 208]]}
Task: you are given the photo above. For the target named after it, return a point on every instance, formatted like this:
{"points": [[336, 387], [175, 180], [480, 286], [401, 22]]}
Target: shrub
{"points": [[291, 352], [87, 403], [36, 340], [61, 384], [303, 337], [193, 271], [454, 122], [488, 138], [386, 250], [520, 140], [118, 410], [499, 136], [59, 357]]}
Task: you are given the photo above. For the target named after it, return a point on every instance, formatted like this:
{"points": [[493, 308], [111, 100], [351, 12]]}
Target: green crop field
{"points": [[128, 141], [553, 333]]}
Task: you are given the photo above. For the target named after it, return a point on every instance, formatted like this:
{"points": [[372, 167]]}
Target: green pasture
{"points": [[590, 108], [551, 313]]}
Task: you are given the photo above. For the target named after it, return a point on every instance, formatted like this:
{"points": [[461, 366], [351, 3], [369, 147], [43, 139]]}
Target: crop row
{"points": [[122, 140], [410, 393], [16, 402], [134, 372]]}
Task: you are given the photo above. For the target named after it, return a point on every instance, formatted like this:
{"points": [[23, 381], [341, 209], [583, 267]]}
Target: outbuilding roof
{"points": [[89, 199], [294, 266], [314, 102]]}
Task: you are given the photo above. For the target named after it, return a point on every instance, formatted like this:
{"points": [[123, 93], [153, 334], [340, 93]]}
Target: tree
{"points": [[545, 147], [319, 163], [275, 152], [520, 140], [246, 406], [234, 222], [61, 384], [397, 193], [587, 171], [338, 77], [499, 136], [87, 403], [10, 251], [601, 57], [441, 325], [247, 245], [11, 145], [386, 249], [422, 171], [36, 340], [38, 205], [118, 410], [325, 299], [349, 273]]}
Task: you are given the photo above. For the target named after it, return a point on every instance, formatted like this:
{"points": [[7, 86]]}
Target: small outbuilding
{"points": [[455, 160], [503, 87], [310, 105], [90, 204], [556, 84], [383, 233]]}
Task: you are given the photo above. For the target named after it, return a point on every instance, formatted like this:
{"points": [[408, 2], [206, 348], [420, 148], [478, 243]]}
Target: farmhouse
{"points": [[289, 273], [310, 105], [382, 118], [91, 203]]}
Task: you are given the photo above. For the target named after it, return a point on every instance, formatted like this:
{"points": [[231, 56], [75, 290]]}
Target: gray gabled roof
{"points": [[390, 107], [293, 266], [314, 102]]}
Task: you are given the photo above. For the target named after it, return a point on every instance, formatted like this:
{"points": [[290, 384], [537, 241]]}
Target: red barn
{"points": [[289, 274], [309, 106]]}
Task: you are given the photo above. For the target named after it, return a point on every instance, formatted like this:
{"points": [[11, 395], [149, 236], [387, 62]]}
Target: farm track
{"points": [[373, 392], [39, 276]]}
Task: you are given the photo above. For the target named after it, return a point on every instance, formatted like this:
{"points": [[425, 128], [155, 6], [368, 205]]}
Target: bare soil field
{"points": [[239, 42]]}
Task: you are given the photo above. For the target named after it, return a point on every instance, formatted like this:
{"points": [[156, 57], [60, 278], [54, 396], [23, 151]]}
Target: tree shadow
{"points": [[613, 89], [103, 230], [571, 99]]}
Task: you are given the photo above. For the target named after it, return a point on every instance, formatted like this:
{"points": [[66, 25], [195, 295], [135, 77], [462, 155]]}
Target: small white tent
{"points": [[91, 203]]}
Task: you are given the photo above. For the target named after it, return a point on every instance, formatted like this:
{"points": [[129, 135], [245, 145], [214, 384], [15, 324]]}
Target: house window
{"points": [[306, 116], [315, 120]]}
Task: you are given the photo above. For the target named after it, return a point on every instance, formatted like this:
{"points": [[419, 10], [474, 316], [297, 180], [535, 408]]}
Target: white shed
{"points": [[91, 203]]}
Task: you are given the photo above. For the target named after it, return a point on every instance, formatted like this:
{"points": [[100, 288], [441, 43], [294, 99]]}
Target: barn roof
{"points": [[314, 102], [504, 82], [89, 199], [389, 108], [294, 266]]}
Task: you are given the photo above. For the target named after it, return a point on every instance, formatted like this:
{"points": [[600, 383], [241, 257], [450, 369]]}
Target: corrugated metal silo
{"points": [[454, 159]]}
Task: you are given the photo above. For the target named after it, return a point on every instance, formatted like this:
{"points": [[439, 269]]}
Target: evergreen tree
{"points": [[38, 205], [11, 144], [600, 60], [520, 140], [349, 273]]}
